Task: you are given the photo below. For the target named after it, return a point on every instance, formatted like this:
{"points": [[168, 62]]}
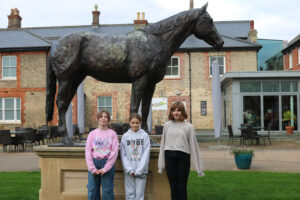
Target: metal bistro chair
{"points": [[269, 133], [244, 133], [253, 137], [5, 139], [42, 134], [232, 137], [27, 138], [54, 134], [117, 127], [76, 133]]}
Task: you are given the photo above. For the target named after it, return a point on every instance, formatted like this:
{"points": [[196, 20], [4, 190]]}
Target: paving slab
{"points": [[281, 156]]}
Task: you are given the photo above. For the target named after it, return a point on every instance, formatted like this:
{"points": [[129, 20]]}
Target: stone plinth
{"points": [[64, 175]]}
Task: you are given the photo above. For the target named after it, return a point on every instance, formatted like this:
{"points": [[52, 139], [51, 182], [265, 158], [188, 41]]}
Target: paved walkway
{"points": [[281, 156]]}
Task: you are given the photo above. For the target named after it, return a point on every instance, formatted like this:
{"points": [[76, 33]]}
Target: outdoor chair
{"points": [[53, 133], [244, 133], [126, 127], [252, 136], [117, 127], [5, 139], [27, 138], [269, 132], [77, 134], [42, 134], [232, 137]]}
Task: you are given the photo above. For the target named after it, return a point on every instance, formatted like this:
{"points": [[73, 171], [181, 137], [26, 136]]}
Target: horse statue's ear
{"points": [[203, 9]]}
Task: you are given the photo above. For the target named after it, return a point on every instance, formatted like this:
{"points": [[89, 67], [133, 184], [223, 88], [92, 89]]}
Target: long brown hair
{"points": [[99, 114], [180, 106]]}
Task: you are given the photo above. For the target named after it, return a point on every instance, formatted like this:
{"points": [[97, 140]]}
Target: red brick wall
{"points": [[95, 96], [295, 61]]}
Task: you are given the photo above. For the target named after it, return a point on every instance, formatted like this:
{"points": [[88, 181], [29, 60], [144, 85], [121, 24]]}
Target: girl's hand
{"points": [[101, 172]]}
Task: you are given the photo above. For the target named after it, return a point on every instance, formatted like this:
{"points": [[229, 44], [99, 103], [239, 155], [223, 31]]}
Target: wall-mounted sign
{"points": [[203, 108], [159, 103]]}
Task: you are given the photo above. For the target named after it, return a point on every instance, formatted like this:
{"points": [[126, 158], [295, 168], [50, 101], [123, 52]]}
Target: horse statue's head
{"points": [[205, 29]]}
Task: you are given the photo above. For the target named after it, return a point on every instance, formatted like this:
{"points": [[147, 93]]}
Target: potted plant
{"points": [[288, 116], [158, 127], [243, 157]]}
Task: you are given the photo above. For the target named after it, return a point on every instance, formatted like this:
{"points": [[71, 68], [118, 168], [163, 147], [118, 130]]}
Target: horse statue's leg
{"points": [[146, 102], [138, 90], [66, 92]]}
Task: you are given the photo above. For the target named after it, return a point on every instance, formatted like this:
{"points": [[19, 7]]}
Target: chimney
{"points": [[140, 22], [96, 14], [191, 4], [252, 35], [14, 19]]}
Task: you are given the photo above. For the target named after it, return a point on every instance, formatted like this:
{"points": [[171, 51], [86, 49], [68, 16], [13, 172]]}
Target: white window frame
{"points": [[98, 106], [178, 61], [9, 77], [210, 67], [3, 109], [298, 55], [290, 60]]}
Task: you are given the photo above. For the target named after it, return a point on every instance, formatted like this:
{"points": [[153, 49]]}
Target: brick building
{"points": [[23, 53], [291, 54]]}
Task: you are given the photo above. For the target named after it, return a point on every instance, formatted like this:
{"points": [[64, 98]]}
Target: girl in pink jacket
{"points": [[101, 153]]}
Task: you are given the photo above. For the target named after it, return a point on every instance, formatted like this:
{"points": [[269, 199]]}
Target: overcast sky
{"points": [[274, 19]]}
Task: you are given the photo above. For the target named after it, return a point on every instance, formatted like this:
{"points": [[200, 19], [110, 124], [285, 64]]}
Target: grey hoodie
{"points": [[135, 152]]}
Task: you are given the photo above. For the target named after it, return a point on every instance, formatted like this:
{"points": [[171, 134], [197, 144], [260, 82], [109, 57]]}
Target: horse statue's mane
{"points": [[170, 23]]}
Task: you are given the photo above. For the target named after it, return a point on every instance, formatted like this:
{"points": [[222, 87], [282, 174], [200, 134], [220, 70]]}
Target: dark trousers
{"points": [[178, 169]]}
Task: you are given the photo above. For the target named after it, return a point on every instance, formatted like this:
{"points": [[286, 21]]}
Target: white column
{"points": [[216, 98], [80, 107], [69, 120]]}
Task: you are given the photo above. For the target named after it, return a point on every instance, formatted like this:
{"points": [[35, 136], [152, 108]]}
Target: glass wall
{"points": [[266, 102], [271, 112], [251, 110], [289, 104]]}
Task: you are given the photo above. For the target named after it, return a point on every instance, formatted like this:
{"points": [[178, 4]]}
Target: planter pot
{"points": [[289, 130], [243, 161], [159, 130]]}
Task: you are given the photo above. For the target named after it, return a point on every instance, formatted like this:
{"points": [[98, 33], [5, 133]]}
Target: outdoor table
{"points": [[15, 134], [246, 134]]}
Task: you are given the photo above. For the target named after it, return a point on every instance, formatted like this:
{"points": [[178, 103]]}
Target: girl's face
{"points": [[103, 120], [177, 114], [135, 124]]}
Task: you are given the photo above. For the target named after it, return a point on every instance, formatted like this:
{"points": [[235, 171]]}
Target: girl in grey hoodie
{"points": [[135, 152]]}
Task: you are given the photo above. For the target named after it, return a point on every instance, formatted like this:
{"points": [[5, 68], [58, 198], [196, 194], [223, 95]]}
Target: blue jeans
{"points": [[95, 181]]}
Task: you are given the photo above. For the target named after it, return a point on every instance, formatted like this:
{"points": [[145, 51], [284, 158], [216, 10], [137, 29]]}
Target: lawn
{"points": [[244, 185], [216, 185]]}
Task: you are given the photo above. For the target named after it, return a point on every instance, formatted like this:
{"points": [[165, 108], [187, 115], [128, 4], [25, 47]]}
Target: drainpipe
{"points": [[190, 85]]}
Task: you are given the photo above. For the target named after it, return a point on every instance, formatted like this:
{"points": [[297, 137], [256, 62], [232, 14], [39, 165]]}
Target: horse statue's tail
{"points": [[50, 89]]}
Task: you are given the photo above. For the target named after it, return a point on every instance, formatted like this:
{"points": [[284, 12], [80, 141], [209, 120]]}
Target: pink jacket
{"points": [[101, 144]]}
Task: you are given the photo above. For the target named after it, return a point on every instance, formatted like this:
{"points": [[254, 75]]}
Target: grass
{"points": [[20, 185], [216, 185], [246, 185]]}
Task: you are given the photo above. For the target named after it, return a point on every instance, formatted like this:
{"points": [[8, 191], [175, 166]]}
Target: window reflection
{"points": [[251, 111], [271, 112]]}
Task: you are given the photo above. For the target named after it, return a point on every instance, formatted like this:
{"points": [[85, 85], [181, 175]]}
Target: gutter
{"points": [[190, 86]]}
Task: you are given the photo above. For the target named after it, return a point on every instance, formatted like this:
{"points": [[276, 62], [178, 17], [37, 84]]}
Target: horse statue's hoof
{"points": [[67, 141]]}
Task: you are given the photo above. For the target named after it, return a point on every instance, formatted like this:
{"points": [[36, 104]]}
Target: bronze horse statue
{"points": [[139, 57]]}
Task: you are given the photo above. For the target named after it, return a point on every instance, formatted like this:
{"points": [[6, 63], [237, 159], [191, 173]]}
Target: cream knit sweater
{"points": [[180, 136]]}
